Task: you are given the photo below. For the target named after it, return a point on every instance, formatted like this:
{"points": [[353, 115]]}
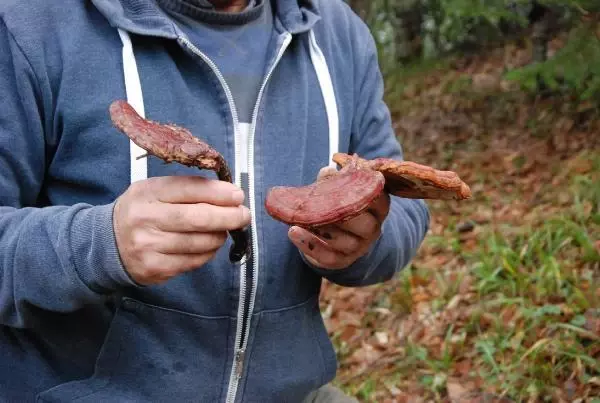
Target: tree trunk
{"points": [[408, 25], [360, 7]]}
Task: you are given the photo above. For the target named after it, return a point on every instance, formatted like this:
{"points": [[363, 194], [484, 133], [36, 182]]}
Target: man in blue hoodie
{"points": [[115, 282]]}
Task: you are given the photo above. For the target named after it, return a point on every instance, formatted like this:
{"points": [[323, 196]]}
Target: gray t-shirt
{"points": [[236, 42]]}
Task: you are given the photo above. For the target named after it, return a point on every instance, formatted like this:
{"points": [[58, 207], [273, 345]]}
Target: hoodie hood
{"points": [[145, 17]]}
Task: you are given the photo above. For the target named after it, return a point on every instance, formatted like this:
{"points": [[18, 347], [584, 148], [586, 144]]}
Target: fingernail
{"points": [[238, 196], [295, 236], [293, 233]]}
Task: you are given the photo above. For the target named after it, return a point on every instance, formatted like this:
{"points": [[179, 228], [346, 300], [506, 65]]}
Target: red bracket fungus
{"points": [[331, 199], [334, 198], [411, 180], [172, 143], [350, 191]]}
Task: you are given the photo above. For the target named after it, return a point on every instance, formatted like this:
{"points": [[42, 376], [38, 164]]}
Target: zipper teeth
{"points": [[234, 380], [240, 335], [221, 79], [232, 388], [251, 184]]}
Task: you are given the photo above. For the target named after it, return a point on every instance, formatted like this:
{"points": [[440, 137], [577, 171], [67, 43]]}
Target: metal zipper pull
{"points": [[239, 359]]}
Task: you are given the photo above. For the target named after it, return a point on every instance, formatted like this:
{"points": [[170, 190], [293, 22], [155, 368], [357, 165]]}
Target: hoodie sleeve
{"points": [[373, 136], [55, 258]]}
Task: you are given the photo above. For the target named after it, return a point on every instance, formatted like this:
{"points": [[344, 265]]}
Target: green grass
{"points": [[543, 273], [507, 309], [523, 327]]}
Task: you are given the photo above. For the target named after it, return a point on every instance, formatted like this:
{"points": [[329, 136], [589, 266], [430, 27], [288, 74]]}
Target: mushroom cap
{"points": [[168, 142], [334, 198], [411, 180]]}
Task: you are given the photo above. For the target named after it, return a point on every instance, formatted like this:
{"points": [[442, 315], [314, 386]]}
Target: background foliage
{"points": [[502, 302], [410, 31]]}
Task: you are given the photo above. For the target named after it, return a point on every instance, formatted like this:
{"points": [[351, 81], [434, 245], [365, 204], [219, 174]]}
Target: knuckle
{"points": [[140, 188], [218, 186], [141, 241], [149, 265], [135, 240], [133, 189], [208, 221], [136, 216]]}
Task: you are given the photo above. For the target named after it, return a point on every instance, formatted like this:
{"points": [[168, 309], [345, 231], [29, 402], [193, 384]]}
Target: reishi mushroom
{"points": [[331, 199], [411, 180], [173, 143], [334, 198], [350, 191]]}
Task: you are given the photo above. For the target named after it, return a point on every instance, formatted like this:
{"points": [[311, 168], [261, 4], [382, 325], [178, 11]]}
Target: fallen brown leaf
{"points": [[456, 391]]}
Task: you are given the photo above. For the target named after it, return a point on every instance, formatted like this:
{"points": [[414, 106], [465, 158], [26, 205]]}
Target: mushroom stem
{"points": [[174, 143]]}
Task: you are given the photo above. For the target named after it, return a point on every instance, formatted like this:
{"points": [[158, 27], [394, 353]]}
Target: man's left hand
{"points": [[337, 246]]}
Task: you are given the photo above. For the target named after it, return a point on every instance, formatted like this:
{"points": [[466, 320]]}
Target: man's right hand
{"points": [[166, 226]]}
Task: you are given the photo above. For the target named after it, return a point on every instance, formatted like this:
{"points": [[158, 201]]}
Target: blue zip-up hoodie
{"points": [[74, 326]]}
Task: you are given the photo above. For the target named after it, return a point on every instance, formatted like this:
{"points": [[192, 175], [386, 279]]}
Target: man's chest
{"points": [[286, 142]]}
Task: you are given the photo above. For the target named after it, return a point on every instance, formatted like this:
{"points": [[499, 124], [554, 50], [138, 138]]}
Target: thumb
{"points": [[326, 172]]}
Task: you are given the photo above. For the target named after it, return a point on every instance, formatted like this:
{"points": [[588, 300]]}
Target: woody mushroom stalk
{"points": [[173, 143]]}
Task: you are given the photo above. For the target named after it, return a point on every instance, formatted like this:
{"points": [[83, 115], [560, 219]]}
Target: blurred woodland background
{"points": [[502, 302]]}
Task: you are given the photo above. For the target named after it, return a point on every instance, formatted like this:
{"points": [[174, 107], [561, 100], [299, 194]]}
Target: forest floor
{"points": [[502, 302]]}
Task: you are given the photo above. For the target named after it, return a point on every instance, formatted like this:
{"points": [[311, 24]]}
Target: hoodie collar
{"points": [[297, 16], [144, 17]]}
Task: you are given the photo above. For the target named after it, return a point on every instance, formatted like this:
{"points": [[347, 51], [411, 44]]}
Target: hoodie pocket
{"points": [[154, 354], [291, 355]]}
